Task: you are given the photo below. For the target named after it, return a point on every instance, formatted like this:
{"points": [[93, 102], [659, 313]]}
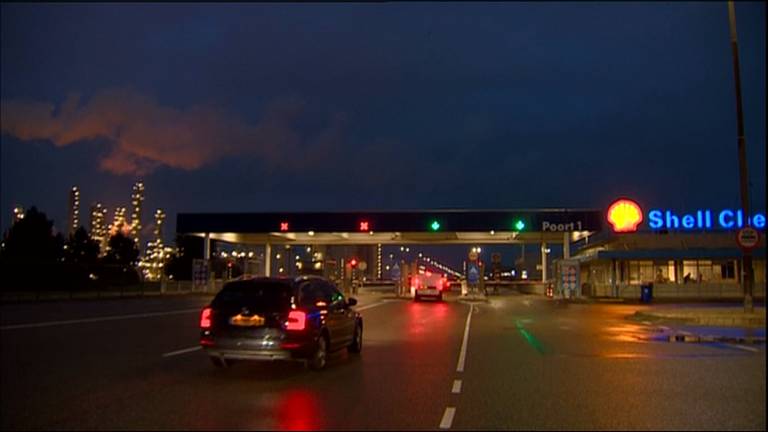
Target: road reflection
{"points": [[425, 316], [298, 410]]}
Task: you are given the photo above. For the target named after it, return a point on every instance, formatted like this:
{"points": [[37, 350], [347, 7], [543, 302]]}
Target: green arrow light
{"points": [[435, 225], [520, 225]]}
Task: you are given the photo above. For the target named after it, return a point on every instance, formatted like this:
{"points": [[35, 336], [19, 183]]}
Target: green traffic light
{"points": [[520, 225], [435, 225]]}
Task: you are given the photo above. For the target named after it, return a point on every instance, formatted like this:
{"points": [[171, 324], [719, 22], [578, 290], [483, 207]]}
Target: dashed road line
{"points": [[370, 306], [182, 351], [447, 419], [456, 387], [99, 319], [742, 347], [463, 353]]}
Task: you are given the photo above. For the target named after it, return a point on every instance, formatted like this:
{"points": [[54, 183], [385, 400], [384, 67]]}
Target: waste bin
{"points": [[646, 293]]}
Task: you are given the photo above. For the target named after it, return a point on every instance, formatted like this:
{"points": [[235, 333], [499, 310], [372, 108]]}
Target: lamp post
{"points": [[746, 258]]}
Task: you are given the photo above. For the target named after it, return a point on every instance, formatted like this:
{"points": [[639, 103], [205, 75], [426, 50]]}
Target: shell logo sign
{"points": [[624, 215]]}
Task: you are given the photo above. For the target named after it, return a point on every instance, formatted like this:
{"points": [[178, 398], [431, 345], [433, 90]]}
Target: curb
{"points": [[691, 338], [728, 321]]}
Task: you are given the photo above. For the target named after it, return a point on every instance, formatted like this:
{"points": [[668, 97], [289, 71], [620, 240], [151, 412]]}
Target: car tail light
{"points": [[205, 318], [297, 320], [439, 284]]}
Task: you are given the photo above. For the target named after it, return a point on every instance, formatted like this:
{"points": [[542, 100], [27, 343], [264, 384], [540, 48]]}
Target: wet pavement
{"points": [[513, 362]]}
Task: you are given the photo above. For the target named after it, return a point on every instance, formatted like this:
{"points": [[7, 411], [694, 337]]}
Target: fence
{"points": [[143, 289], [693, 291]]}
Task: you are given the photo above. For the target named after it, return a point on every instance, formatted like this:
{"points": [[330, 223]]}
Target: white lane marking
{"points": [[456, 387], [99, 319], [742, 347], [372, 305], [182, 351], [463, 354], [447, 420]]}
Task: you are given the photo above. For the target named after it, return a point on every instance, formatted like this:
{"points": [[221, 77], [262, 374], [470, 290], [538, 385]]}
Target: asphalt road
{"points": [[519, 362]]}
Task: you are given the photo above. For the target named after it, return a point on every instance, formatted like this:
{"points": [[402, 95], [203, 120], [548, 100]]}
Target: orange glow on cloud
{"points": [[144, 135]]}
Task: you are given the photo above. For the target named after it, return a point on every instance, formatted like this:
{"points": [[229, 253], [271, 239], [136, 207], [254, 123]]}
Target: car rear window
{"points": [[260, 296]]}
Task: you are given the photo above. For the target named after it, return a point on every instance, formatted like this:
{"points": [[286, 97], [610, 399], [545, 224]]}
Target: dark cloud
{"points": [[143, 134]]}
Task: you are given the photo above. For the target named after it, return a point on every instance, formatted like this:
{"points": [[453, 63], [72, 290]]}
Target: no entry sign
{"points": [[748, 238]]}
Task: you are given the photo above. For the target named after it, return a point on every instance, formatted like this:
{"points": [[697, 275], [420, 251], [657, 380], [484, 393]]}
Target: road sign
{"points": [[569, 276], [395, 272], [747, 238], [473, 272], [200, 274]]}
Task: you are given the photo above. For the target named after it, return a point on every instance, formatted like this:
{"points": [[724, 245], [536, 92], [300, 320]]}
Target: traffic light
{"points": [[519, 225], [435, 225], [364, 226], [353, 262]]}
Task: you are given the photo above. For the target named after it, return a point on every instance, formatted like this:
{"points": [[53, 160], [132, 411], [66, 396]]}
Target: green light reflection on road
{"points": [[531, 339]]}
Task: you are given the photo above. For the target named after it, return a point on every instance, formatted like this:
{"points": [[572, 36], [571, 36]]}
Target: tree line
{"points": [[33, 256]]}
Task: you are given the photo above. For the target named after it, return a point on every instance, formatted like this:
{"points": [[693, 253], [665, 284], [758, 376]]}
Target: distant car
{"points": [[279, 319], [429, 285]]}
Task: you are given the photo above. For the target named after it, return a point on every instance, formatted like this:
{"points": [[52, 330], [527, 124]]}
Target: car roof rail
{"points": [[308, 277]]}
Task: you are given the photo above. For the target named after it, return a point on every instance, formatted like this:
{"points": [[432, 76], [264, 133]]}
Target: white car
{"points": [[430, 285]]}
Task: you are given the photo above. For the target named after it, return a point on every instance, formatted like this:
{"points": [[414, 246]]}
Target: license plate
{"points": [[429, 291], [247, 321]]}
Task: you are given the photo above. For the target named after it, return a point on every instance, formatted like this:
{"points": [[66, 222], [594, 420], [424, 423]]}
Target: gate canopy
{"points": [[394, 227]]}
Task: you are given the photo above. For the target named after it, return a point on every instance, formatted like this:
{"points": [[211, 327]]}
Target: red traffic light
{"points": [[364, 226], [283, 226], [353, 262]]}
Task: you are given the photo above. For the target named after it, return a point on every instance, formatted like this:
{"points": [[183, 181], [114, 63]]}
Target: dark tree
{"points": [[122, 250], [32, 240], [31, 255], [81, 249], [179, 267]]}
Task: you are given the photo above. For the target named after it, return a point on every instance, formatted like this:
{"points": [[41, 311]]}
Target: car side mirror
{"points": [[351, 301]]}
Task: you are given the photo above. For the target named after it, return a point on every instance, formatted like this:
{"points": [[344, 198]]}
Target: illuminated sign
{"points": [[283, 226], [624, 215], [703, 219], [364, 226]]}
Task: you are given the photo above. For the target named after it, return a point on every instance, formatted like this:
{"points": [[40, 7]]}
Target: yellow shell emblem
{"points": [[625, 215]]}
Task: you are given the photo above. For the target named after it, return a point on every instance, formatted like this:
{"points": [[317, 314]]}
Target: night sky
{"points": [[263, 107]]}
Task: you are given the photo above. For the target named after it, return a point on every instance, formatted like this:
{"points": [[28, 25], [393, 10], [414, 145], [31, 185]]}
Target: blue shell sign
{"points": [[626, 215], [704, 219]]}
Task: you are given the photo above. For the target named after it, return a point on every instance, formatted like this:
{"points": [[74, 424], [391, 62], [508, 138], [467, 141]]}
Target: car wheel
{"points": [[317, 362], [220, 362], [357, 340]]}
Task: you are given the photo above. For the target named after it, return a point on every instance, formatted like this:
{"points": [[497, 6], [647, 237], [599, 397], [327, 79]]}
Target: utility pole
{"points": [[746, 258]]}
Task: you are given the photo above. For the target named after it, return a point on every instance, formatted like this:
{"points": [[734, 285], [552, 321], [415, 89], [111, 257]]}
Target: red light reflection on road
{"points": [[298, 410], [426, 315]]}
